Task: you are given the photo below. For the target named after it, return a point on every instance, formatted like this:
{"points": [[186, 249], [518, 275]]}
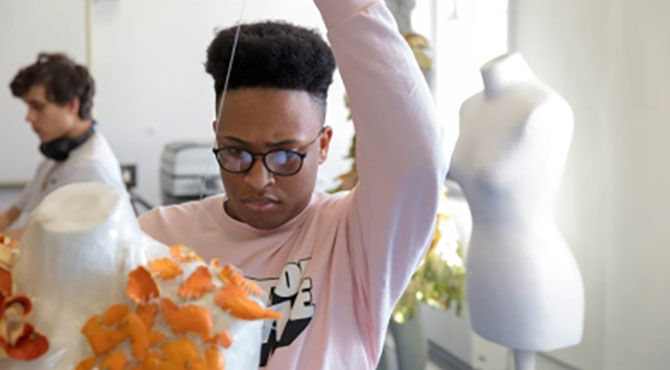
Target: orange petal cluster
{"points": [[18, 338], [151, 349], [154, 350], [106, 332]]}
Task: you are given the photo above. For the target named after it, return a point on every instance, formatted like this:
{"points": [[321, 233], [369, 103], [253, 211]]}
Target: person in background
{"points": [[59, 96]]}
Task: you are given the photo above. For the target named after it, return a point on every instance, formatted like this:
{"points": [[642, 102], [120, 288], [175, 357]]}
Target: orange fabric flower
{"points": [[99, 338], [115, 361], [187, 319], [5, 282], [114, 314], [182, 253], [234, 299], [156, 337], [8, 254], [215, 359], [199, 283], [165, 268], [223, 339], [86, 364], [8, 242], [29, 346], [19, 306], [228, 275], [141, 286], [182, 354], [153, 361], [147, 312], [138, 333]]}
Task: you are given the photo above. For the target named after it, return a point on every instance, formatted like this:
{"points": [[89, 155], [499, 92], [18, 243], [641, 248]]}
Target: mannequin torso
{"points": [[524, 286]]}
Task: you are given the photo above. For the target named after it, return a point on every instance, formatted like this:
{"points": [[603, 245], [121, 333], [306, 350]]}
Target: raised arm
{"points": [[400, 155]]}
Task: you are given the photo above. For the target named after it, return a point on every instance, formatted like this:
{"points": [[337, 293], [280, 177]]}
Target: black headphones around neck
{"points": [[59, 149]]}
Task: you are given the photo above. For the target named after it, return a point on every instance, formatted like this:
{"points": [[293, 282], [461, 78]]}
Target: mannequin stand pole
{"points": [[524, 360]]}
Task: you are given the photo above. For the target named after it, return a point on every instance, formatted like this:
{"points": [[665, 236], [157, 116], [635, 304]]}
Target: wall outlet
{"points": [[129, 174]]}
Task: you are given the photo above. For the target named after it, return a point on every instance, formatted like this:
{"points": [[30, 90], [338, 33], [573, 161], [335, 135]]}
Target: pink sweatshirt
{"points": [[337, 269]]}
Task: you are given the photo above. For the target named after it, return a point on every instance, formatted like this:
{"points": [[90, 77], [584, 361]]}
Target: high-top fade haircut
{"points": [[272, 54], [63, 81]]}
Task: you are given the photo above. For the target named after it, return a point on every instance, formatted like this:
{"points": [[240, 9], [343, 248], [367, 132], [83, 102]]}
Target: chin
{"points": [[264, 220], [264, 224]]}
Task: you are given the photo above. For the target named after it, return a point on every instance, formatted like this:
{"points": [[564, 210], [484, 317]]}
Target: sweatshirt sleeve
{"points": [[400, 159]]}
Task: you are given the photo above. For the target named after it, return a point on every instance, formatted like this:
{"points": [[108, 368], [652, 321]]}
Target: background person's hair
{"points": [[272, 55], [63, 81]]}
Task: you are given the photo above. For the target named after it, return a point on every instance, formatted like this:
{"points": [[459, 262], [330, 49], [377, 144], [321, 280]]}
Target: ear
{"points": [[73, 106], [324, 143], [216, 139]]}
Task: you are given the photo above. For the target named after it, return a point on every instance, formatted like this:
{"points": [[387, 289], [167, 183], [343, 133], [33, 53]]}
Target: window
{"points": [[464, 34]]}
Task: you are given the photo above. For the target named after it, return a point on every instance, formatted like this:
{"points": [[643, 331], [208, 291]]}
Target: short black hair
{"points": [[272, 54], [63, 81]]}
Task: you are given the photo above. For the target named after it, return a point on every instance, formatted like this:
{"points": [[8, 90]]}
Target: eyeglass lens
{"points": [[280, 161]]}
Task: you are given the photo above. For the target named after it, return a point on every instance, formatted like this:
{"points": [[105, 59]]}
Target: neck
{"points": [[503, 72], [79, 127]]}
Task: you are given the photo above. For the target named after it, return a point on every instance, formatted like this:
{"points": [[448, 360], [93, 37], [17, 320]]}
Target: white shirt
{"points": [[91, 161]]}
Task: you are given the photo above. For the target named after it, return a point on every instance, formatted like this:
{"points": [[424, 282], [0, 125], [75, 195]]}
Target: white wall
{"points": [[568, 49], [608, 59], [27, 27], [638, 315]]}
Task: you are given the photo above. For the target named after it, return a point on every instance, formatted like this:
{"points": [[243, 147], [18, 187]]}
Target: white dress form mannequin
{"points": [[73, 262], [524, 287], [74, 258]]}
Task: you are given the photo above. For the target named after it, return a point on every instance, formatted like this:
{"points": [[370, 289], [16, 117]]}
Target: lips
{"points": [[260, 204]]}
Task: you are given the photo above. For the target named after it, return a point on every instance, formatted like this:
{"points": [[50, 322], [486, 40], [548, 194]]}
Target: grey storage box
{"points": [[188, 171]]}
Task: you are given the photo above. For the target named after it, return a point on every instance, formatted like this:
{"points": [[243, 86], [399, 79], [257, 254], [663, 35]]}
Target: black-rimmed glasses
{"points": [[278, 162]]}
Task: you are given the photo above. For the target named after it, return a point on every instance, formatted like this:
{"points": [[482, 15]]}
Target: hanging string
{"points": [[230, 66], [203, 184]]}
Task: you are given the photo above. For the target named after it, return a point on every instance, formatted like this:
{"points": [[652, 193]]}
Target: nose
{"points": [[258, 176], [31, 116]]}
